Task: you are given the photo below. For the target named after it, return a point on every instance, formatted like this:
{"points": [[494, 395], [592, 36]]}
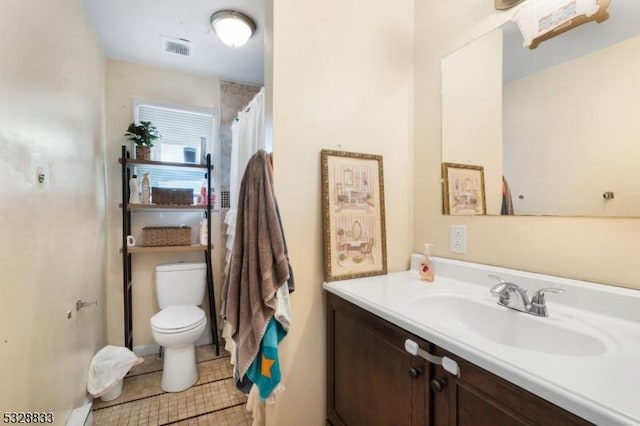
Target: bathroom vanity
{"points": [[579, 365]]}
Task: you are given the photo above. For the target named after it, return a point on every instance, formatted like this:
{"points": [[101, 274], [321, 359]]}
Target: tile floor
{"points": [[213, 400]]}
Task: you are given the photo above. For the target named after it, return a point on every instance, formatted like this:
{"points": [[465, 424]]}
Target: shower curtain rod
{"points": [[247, 109]]}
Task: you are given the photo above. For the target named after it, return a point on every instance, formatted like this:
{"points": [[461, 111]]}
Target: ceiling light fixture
{"points": [[233, 28]]}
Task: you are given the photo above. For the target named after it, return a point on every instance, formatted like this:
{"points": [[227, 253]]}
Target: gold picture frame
{"points": [[353, 224], [463, 190]]}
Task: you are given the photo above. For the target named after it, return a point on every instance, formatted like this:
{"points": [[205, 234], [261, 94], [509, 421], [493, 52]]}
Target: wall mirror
{"points": [[560, 123]]}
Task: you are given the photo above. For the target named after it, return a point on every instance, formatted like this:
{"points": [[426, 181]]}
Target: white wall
{"points": [[571, 133], [52, 243], [124, 81], [472, 112], [595, 249], [342, 78]]}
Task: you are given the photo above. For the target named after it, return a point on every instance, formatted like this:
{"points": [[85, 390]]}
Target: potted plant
{"points": [[143, 135]]}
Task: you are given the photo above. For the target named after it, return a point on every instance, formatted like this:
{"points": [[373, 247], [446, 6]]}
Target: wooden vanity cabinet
{"points": [[371, 379], [478, 398]]}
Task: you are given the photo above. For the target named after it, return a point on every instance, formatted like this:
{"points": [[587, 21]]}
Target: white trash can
{"points": [[114, 393], [107, 369]]}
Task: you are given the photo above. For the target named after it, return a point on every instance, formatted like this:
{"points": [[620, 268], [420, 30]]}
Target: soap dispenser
{"points": [[426, 265]]}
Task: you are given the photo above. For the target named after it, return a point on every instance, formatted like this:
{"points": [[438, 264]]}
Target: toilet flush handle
{"points": [[82, 304]]}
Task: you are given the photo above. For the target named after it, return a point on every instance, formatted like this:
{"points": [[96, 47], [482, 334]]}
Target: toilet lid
{"points": [[176, 318]]}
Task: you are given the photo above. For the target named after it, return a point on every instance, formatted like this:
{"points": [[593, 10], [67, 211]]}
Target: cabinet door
{"points": [[480, 398], [371, 379]]}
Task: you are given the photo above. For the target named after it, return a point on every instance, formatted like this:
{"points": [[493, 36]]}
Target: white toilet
{"points": [[180, 288]]}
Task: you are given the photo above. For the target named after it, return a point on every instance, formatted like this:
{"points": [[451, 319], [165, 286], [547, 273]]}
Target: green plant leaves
{"points": [[143, 134]]}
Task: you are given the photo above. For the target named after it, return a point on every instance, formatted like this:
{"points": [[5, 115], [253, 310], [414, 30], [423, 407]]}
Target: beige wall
{"points": [[52, 244], [571, 133], [125, 81], [342, 80], [475, 73], [596, 249]]}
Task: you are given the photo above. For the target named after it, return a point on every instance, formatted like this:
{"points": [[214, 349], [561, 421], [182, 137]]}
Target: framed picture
{"points": [[463, 189], [353, 222]]}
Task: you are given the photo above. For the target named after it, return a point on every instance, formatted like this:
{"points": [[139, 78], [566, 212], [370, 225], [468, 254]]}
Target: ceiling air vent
{"points": [[178, 46]]}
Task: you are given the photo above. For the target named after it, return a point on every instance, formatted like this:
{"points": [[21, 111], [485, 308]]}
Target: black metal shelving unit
{"points": [[126, 162]]}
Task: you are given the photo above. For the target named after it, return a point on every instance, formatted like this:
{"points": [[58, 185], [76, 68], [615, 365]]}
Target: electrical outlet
{"points": [[459, 238]]}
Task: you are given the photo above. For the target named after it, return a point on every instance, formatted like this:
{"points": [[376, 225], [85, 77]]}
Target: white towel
{"points": [[258, 408], [283, 307]]}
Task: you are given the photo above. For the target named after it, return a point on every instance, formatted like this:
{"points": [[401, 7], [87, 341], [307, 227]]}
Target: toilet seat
{"points": [[178, 319]]}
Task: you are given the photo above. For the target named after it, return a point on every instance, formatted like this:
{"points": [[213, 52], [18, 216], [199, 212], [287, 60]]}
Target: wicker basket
{"points": [[179, 196], [153, 236]]}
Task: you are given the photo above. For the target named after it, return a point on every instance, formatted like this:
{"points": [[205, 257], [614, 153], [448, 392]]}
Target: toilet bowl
{"points": [[180, 289], [177, 328]]}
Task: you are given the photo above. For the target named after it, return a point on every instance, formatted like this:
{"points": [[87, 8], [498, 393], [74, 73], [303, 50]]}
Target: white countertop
{"points": [[603, 388]]}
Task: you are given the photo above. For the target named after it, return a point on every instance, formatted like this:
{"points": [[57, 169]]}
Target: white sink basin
{"points": [[556, 334]]}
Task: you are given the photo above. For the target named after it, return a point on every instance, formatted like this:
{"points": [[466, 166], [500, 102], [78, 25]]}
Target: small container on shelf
{"points": [[189, 154]]}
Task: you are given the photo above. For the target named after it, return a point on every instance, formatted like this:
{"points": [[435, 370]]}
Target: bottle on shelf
{"points": [[134, 190], [203, 234], [204, 146], [207, 192], [146, 189]]}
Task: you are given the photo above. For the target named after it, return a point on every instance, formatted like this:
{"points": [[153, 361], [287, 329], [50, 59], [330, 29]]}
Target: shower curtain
{"points": [[247, 138]]}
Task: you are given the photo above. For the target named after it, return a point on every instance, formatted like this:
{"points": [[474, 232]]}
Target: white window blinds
{"points": [[186, 138]]}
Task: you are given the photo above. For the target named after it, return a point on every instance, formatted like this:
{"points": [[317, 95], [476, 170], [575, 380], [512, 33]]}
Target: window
{"points": [[186, 138]]}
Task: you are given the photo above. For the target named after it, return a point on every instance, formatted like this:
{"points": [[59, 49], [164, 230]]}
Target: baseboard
{"points": [[82, 416], [144, 350]]}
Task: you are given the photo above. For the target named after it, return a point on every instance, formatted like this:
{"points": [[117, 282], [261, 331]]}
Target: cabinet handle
{"points": [[438, 385], [415, 372], [447, 363]]}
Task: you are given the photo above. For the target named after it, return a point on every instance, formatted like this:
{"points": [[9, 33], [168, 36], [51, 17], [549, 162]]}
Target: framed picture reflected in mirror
{"points": [[463, 189]]}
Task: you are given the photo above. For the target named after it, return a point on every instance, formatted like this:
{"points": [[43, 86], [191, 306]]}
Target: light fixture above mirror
{"points": [[233, 28]]}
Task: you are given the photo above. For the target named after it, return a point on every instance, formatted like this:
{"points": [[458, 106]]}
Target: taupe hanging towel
{"points": [[507, 202], [506, 4], [259, 262]]}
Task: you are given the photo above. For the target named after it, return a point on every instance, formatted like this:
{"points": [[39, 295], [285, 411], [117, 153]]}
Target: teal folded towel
{"points": [[264, 371]]}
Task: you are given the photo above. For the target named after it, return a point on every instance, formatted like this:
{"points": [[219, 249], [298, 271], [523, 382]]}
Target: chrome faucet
{"points": [[515, 297]]}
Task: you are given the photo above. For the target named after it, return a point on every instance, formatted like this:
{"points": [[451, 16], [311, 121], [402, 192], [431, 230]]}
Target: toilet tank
{"points": [[180, 284]]}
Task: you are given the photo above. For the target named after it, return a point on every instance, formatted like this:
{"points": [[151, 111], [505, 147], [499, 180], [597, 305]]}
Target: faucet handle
{"points": [[538, 297], [497, 289]]}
